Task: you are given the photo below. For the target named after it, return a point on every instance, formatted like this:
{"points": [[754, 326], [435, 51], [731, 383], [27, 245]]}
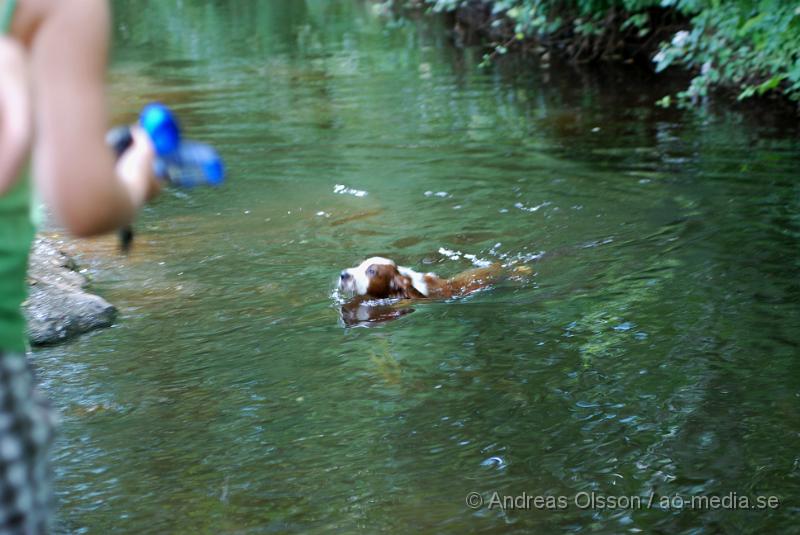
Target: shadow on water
{"points": [[653, 350]]}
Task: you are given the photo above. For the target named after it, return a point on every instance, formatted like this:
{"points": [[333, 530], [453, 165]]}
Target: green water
{"points": [[653, 349]]}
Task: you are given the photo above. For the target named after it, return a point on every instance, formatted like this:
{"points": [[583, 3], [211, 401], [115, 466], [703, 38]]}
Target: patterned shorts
{"points": [[26, 432]]}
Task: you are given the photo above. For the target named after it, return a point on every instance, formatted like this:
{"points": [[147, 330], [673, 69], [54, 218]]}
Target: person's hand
{"points": [[135, 169], [16, 119]]}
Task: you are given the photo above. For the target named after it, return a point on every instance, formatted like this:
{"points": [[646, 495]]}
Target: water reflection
{"points": [[367, 313]]}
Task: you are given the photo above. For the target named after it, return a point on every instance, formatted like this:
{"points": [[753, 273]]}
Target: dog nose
{"points": [[344, 275]]}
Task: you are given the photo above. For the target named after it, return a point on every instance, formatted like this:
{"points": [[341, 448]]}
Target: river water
{"points": [[652, 351]]}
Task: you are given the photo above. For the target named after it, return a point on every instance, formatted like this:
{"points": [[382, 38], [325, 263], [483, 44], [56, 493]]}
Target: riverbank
{"points": [[734, 49], [59, 306]]}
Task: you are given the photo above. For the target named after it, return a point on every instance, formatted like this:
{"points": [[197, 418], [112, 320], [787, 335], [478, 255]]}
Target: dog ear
{"points": [[404, 287]]}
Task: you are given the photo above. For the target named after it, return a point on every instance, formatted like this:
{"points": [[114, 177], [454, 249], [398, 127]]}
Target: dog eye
{"points": [[370, 271]]}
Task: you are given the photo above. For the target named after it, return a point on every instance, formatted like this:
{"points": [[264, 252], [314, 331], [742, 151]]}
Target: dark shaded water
{"points": [[654, 350]]}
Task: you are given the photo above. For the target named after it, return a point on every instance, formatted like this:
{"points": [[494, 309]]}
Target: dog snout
{"points": [[344, 275]]}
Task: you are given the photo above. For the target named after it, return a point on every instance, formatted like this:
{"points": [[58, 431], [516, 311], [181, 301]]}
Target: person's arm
{"points": [[74, 169], [15, 112]]}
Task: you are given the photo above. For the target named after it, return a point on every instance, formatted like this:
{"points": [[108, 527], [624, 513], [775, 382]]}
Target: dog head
{"points": [[378, 278]]}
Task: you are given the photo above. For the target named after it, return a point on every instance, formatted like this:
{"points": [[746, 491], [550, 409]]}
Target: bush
{"points": [[752, 46]]}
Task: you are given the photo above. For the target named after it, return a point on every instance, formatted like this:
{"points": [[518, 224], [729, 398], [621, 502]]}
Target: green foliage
{"points": [[543, 18], [752, 46]]}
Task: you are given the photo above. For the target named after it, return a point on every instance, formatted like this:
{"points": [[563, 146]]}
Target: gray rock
{"points": [[58, 306]]}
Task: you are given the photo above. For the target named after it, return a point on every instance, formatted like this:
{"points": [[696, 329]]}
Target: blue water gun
{"points": [[182, 163]]}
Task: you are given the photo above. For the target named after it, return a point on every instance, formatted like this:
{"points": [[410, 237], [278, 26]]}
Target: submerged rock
{"points": [[58, 306]]}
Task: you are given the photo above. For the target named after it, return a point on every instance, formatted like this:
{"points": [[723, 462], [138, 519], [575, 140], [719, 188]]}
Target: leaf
{"points": [[747, 93], [747, 26], [772, 83]]}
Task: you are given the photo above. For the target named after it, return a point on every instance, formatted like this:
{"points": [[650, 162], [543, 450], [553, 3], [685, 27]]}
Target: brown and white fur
{"points": [[381, 278]]}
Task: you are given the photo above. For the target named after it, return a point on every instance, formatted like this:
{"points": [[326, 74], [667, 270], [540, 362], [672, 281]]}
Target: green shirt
{"points": [[16, 235]]}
